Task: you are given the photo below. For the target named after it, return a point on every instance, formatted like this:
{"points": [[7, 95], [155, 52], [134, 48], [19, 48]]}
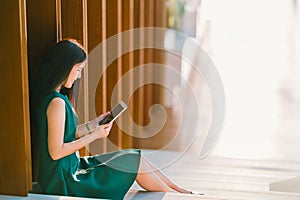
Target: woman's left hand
{"points": [[101, 117], [95, 122]]}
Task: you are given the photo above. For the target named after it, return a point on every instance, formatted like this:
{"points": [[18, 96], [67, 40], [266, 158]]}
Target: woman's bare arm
{"points": [[56, 126], [90, 126], [84, 129]]}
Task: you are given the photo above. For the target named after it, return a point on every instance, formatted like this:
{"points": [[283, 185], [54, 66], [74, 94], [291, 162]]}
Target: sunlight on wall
{"points": [[249, 43]]}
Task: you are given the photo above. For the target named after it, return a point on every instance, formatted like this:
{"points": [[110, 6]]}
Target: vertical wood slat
{"points": [[72, 19], [73, 23], [58, 20], [141, 90], [104, 62], [41, 34], [85, 72], [41, 27], [120, 71], [135, 98], [131, 64], [96, 33], [15, 175], [127, 63], [160, 20], [149, 58], [25, 92], [114, 70]]}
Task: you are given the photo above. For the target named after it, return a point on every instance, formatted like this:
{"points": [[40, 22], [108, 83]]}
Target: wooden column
{"points": [[149, 58], [72, 23], [15, 156], [41, 35], [137, 97], [127, 63], [160, 20], [96, 31], [114, 70]]}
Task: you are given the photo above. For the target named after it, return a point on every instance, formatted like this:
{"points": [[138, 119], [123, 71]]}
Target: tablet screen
{"points": [[116, 111]]}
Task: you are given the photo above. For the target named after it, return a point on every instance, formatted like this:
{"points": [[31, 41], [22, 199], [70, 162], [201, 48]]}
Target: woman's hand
{"points": [[101, 117], [103, 130], [95, 123]]}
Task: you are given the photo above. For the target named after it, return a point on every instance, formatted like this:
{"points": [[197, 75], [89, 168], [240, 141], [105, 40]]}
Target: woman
{"points": [[61, 171]]}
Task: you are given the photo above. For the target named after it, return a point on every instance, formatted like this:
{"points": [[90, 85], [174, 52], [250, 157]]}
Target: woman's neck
{"points": [[58, 88]]}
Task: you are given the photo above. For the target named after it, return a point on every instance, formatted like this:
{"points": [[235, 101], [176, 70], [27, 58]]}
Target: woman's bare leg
{"points": [[164, 178], [150, 181]]}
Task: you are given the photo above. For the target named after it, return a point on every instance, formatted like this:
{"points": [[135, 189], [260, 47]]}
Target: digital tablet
{"points": [[114, 113]]}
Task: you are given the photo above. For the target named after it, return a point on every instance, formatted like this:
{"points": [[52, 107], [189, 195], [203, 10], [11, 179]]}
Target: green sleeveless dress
{"points": [[106, 176]]}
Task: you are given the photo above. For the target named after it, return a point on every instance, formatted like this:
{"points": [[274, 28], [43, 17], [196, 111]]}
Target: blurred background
{"points": [[255, 46]]}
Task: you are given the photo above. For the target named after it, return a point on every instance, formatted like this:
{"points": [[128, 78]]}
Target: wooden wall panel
{"points": [[143, 13], [149, 58], [94, 25], [41, 29], [160, 20], [49, 21], [127, 63], [96, 34], [93, 21], [15, 158], [137, 98], [72, 19], [73, 24], [41, 34], [114, 70]]}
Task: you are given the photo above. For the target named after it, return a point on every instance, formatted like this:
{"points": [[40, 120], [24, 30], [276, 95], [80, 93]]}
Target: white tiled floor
{"points": [[218, 178], [41, 197]]}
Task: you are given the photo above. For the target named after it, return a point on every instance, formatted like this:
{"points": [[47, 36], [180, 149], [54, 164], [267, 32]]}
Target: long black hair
{"points": [[55, 68], [52, 72]]}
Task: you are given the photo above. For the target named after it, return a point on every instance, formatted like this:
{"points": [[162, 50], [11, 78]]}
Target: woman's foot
{"points": [[182, 190], [196, 193]]}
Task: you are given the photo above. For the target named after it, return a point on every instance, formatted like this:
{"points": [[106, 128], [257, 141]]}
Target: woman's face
{"points": [[74, 74]]}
